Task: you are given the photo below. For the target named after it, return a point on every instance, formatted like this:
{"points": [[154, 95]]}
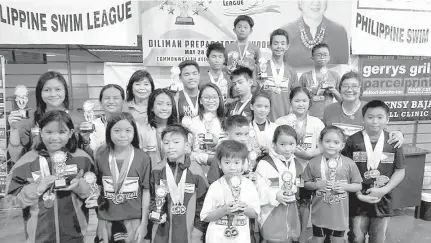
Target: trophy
{"points": [[175, 77], [381, 181], [224, 89], [331, 197], [88, 115], [234, 183], [324, 85], [234, 56], [91, 180], [21, 100], [371, 174], [59, 159], [289, 187], [208, 122], [184, 18], [161, 193], [262, 67]]}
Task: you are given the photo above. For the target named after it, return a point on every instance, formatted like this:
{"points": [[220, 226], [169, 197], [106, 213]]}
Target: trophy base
{"points": [[88, 130], [60, 183], [24, 114], [155, 216], [263, 76], [184, 21]]}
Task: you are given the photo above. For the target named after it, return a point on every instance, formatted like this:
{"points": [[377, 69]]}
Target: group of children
{"points": [[240, 169]]}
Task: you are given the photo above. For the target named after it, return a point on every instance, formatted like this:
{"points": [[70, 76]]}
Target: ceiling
{"points": [[32, 54]]}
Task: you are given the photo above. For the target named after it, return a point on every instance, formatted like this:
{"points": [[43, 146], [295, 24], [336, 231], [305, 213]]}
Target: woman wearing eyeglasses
{"points": [[207, 126]]}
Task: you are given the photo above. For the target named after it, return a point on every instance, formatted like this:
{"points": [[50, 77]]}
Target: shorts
{"points": [[323, 232], [304, 197]]}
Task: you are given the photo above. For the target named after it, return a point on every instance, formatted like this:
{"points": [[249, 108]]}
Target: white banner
{"points": [[398, 27], [173, 31], [110, 22]]}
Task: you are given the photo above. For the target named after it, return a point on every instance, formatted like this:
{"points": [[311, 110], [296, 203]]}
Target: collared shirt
{"points": [[138, 112]]}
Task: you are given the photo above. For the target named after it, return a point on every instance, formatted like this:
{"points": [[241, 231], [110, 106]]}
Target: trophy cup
{"points": [[262, 67], [234, 56], [381, 181], [161, 193], [234, 183], [175, 77], [21, 100], [331, 197], [224, 89], [91, 180], [184, 18], [59, 164], [208, 122], [88, 115]]}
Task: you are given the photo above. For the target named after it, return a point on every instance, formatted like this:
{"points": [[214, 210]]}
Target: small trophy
{"points": [[59, 159], [208, 122], [175, 77], [91, 180], [184, 18], [89, 115], [161, 193], [331, 196], [235, 58], [21, 100], [381, 181], [289, 188], [224, 89], [234, 183], [262, 67]]}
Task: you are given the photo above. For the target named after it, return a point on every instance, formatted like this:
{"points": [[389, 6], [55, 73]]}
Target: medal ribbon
{"points": [[278, 77], [314, 76], [373, 157], [176, 191], [220, 78], [44, 168], [194, 108], [262, 136], [324, 166], [239, 111], [242, 56], [118, 177], [284, 165]]}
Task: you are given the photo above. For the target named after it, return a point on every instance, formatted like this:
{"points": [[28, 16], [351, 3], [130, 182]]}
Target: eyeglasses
{"points": [[353, 87], [321, 55], [209, 98]]}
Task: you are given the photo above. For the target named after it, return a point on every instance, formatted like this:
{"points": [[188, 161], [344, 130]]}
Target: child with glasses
{"points": [[321, 81]]}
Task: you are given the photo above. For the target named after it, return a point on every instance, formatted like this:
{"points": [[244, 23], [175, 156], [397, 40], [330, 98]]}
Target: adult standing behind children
{"points": [[242, 52], [321, 81], [313, 28], [280, 76], [188, 98], [138, 90]]}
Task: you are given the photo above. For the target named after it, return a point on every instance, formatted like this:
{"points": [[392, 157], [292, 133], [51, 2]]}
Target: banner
{"points": [[3, 139], [399, 27], [404, 83], [111, 22], [173, 31]]}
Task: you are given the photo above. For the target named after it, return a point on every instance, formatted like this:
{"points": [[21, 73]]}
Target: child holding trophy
{"points": [[279, 77], [279, 217], [382, 167], [322, 82], [49, 183], [231, 200], [178, 191], [333, 176], [123, 172]]}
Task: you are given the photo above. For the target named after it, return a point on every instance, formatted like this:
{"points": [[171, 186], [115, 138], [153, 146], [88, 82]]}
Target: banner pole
{"points": [[415, 133], [69, 75]]}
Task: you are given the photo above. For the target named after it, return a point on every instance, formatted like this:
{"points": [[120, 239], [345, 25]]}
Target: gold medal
{"points": [[119, 199], [48, 199], [187, 121], [287, 176]]}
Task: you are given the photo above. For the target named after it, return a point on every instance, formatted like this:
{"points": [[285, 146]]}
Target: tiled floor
{"points": [[402, 229]]}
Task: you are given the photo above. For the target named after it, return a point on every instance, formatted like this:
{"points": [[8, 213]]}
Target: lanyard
{"points": [[278, 77], [118, 177], [176, 191], [220, 78], [373, 156], [242, 56], [194, 108], [241, 109]]}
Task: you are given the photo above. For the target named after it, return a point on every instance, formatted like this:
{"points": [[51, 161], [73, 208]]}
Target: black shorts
{"points": [[323, 232], [304, 197]]}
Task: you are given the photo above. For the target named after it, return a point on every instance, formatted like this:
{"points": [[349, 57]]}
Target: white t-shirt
{"points": [[217, 196]]}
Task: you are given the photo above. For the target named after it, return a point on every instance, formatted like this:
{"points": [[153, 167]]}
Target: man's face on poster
{"points": [[313, 9]]}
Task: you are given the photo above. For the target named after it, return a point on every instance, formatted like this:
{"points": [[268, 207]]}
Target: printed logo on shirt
{"points": [[388, 158], [130, 187], [189, 188], [239, 220], [360, 157], [188, 111]]}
